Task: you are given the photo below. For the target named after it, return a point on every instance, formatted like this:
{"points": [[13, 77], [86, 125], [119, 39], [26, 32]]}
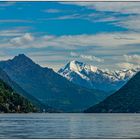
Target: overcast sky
{"points": [[104, 34]]}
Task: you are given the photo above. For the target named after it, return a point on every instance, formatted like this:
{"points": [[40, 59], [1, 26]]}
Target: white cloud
{"points": [[120, 7], [132, 58], [132, 23], [131, 9], [92, 58], [127, 65], [12, 33], [102, 40], [26, 38], [106, 40], [87, 57], [131, 61], [111, 46]]}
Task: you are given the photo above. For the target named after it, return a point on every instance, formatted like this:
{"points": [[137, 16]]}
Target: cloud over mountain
{"points": [[111, 32]]}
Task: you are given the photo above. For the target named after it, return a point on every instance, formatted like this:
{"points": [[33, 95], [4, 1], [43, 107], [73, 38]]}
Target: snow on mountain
{"points": [[92, 77]]}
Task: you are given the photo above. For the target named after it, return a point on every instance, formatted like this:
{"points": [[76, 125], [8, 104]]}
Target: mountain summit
{"points": [[79, 66], [49, 87], [94, 78], [21, 56], [21, 60]]}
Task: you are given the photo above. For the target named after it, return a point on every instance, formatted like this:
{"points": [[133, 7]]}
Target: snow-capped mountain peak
{"points": [[79, 66], [75, 65], [95, 78]]}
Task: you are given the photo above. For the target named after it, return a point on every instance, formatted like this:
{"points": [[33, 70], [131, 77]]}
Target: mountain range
{"points": [[50, 88], [74, 88], [125, 100], [92, 77]]}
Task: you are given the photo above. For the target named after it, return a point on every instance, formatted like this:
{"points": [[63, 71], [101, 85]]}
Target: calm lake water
{"points": [[69, 125]]}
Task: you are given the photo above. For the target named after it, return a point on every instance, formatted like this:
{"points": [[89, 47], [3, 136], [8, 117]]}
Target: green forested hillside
{"points": [[11, 102], [125, 100], [5, 78]]}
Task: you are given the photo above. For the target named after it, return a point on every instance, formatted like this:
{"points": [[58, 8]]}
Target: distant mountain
{"points": [[4, 77], [94, 78], [49, 87], [11, 102], [125, 100]]}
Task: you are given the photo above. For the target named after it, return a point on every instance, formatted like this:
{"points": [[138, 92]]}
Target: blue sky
{"points": [[104, 34]]}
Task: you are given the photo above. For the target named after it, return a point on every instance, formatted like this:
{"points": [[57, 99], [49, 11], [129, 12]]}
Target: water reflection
{"points": [[69, 126]]}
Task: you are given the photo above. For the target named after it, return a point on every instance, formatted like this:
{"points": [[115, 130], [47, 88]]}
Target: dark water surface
{"points": [[69, 125]]}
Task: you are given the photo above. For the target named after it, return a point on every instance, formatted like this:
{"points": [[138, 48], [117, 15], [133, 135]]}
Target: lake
{"points": [[69, 125]]}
